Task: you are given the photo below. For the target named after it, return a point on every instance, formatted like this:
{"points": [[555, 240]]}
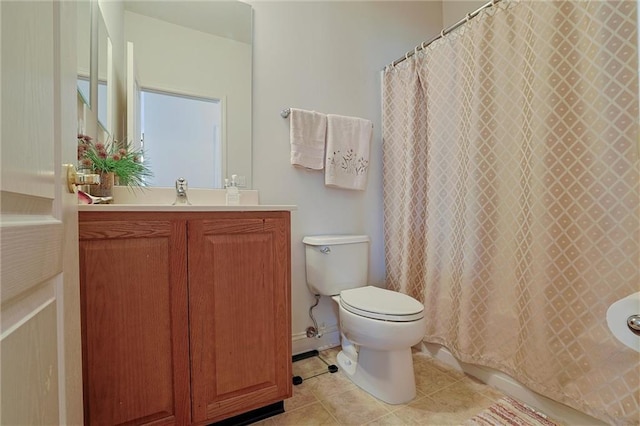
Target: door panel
{"points": [[39, 344], [28, 98], [29, 361], [31, 254]]}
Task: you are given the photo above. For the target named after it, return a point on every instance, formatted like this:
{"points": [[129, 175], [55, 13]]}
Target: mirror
{"points": [[95, 72], [196, 50], [104, 72], [83, 26]]}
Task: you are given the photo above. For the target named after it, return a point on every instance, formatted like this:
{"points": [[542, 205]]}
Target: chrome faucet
{"points": [[181, 192]]}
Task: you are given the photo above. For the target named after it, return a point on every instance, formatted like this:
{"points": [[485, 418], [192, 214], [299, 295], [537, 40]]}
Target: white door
{"points": [[40, 351]]}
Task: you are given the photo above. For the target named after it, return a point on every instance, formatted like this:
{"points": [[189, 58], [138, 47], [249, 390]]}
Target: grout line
{"points": [[330, 413]]}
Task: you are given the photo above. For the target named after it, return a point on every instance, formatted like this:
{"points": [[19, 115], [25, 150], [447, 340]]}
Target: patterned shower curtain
{"points": [[511, 194]]}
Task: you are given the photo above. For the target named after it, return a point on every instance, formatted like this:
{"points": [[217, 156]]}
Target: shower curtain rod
{"points": [[445, 31]]}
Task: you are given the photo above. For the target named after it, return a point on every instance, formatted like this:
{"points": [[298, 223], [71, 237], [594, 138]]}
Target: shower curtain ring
{"points": [[442, 33], [468, 17]]}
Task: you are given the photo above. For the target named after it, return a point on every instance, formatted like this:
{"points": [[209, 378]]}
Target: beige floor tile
{"points": [[427, 411], [463, 397], [430, 379], [445, 397], [489, 392], [387, 420], [309, 367], [314, 414], [393, 407], [327, 385], [302, 395], [266, 422], [462, 389], [439, 364], [354, 407], [330, 355], [470, 384], [421, 360]]}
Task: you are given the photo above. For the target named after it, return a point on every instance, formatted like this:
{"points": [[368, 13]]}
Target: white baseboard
{"points": [[300, 343], [512, 387]]}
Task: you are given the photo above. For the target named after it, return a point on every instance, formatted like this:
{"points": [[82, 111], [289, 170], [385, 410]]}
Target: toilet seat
{"points": [[378, 303]]}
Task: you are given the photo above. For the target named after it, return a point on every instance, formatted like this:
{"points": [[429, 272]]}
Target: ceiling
{"points": [[223, 18]]}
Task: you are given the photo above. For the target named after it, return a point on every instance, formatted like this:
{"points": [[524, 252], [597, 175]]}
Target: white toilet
{"points": [[378, 326]]}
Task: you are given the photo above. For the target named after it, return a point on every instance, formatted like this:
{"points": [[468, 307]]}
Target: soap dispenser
{"points": [[233, 194]]}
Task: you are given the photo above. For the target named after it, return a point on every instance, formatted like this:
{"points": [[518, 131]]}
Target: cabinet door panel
{"points": [[134, 293], [239, 326], [235, 308]]}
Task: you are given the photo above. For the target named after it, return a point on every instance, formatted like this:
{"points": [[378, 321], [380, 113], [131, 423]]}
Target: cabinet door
{"points": [[239, 312], [134, 316]]}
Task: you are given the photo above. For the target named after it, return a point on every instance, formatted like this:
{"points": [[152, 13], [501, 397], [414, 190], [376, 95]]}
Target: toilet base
{"points": [[387, 375]]}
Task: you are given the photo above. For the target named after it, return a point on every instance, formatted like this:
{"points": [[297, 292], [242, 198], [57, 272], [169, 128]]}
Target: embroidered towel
{"points": [[308, 131], [348, 145]]}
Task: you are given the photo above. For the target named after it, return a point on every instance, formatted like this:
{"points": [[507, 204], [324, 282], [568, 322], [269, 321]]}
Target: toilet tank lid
{"points": [[329, 240]]}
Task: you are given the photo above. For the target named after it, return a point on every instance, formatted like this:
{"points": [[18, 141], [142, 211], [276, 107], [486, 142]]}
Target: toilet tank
{"points": [[336, 262]]}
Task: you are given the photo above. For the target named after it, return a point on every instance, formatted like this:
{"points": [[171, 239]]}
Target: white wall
{"points": [[328, 57], [181, 60], [455, 10]]}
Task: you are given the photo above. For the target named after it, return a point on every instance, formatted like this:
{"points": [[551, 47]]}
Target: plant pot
{"points": [[105, 188]]}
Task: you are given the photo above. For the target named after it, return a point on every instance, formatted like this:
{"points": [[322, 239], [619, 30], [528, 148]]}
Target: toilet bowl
{"points": [[376, 352], [377, 326]]}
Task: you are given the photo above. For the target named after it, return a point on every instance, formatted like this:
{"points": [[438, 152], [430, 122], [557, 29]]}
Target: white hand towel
{"points": [[348, 145], [308, 131]]}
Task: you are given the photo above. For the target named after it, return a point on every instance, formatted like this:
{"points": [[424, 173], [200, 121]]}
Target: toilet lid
{"points": [[378, 303]]}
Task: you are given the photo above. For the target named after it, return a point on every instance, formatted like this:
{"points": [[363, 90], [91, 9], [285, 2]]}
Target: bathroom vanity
{"points": [[186, 315]]}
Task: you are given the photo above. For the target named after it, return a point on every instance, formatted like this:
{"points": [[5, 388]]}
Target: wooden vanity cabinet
{"points": [[185, 315]]}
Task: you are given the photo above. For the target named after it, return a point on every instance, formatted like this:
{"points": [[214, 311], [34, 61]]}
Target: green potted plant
{"points": [[114, 163]]}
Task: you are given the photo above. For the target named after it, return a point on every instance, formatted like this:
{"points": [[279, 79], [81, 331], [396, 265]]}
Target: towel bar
{"points": [[286, 112]]}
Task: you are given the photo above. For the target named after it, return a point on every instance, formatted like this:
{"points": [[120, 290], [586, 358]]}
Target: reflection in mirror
{"points": [[83, 26], [181, 136], [84, 88], [104, 51], [201, 50], [134, 114]]}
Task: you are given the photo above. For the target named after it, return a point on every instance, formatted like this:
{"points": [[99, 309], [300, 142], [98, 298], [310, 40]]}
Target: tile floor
{"points": [[445, 397]]}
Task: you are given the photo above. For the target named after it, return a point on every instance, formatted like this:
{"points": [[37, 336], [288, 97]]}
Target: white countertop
{"points": [[182, 208], [161, 199]]}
